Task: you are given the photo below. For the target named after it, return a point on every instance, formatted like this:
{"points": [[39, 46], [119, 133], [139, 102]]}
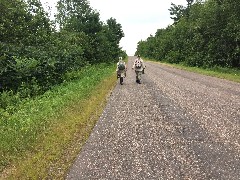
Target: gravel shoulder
{"points": [[175, 125]]}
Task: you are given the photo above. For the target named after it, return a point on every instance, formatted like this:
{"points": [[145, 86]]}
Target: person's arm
{"points": [[143, 65], [117, 67]]}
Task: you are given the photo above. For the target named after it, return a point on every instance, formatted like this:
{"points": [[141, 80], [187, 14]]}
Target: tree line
{"points": [[204, 34], [36, 53]]}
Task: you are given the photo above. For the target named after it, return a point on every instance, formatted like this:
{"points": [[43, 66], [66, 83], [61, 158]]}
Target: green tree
{"points": [[177, 12], [203, 34], [114, 34], [103, 39], [34, 55], [13, 20], [78, 16]]}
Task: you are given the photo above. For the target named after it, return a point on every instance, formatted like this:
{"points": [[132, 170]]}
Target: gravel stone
{"points": [[175, 125]]}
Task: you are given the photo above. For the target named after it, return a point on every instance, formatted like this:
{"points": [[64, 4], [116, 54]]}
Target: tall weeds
{"points": [[23, 123]]}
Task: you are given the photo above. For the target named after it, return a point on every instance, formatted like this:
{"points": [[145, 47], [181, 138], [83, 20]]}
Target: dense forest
{"points": [[204, 34], [36, 53]]}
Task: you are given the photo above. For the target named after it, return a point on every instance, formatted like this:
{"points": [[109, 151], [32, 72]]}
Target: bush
{"points": [[173, 57]]}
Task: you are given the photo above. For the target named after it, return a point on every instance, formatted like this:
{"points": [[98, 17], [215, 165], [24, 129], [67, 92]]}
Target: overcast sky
{"points": [[139, 18]]}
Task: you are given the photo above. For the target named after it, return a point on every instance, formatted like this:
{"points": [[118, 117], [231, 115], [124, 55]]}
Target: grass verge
{"points": [[69, 114], [219, 72]]}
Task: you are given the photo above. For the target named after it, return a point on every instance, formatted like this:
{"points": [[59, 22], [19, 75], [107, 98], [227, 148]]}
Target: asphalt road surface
{"points": [[175, 125]]}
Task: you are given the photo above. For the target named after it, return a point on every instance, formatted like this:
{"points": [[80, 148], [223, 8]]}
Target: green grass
{"points": [[219, 72], [40, 137]]}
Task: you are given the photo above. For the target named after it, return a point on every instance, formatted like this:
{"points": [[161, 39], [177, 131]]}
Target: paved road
{"points": [[176, 125]]}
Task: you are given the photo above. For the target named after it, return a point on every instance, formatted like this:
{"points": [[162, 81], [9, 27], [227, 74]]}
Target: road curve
{"points": [[175, 125]]}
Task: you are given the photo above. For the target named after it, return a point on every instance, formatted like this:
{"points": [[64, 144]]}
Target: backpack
{"points": [[121, 66], [138, 64]]}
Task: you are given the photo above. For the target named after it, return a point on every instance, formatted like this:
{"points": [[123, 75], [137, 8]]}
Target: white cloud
{"points": [[138, 18]]}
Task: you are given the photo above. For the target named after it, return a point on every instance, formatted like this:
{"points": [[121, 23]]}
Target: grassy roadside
{"points": [[72, 111], [223, 73]]}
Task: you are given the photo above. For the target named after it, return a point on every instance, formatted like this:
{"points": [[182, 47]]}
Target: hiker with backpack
{"points": [[121, 70], [139, 67]]}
